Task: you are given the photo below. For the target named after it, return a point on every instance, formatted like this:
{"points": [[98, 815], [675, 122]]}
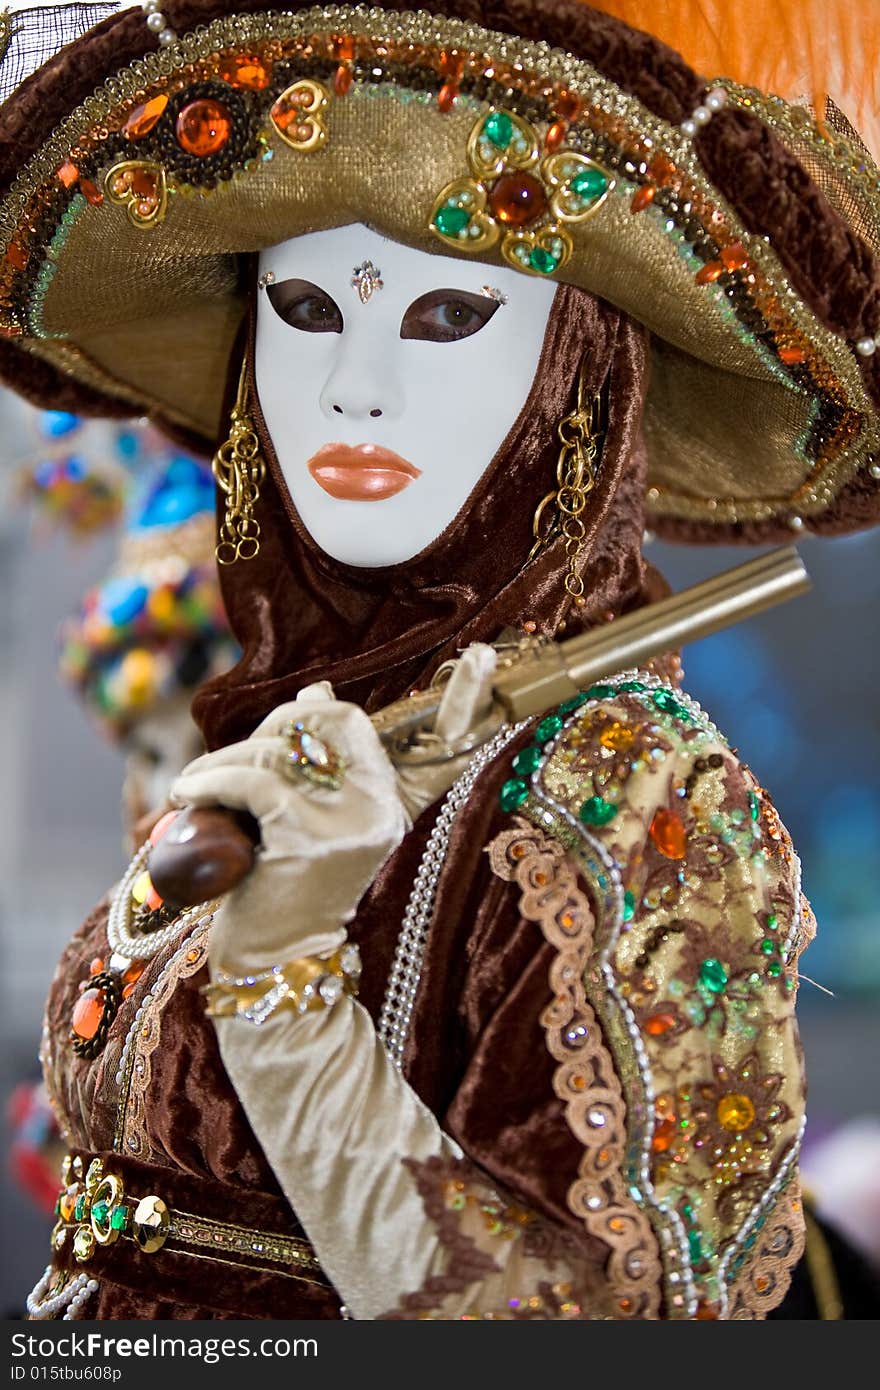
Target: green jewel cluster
{"points": [[529, 759]]}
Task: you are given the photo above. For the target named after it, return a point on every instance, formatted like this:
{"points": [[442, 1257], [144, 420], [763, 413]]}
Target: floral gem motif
{"points": [[735, 1113], [366, 279], [97, 1211], [299, 115], [141, 188], [515, 196], [311, 757]]}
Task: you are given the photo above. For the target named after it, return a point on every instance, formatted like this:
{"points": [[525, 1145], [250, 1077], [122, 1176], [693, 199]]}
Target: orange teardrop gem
{"points": [[568, 106], [87, 1013], [791, 356], [342, 80], [134, 972], [203, 127], [96, 965], [734, 257], [664, 1134], [643, 197], [709, 273], [142, 119], [343, 48], [446, 97], [555, 136], [247, 72], [91, 192], [661, 168], [658, 1024], [668, 833]]}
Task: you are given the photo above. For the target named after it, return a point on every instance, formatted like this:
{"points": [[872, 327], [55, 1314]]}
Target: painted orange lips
{"points": [[362, 472]]}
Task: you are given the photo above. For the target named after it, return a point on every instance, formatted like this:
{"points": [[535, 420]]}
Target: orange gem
{"points": [[664, 1133], [447, 94], [203, 127], [153, 901], [91, 192], [517, 199], [16, 256], [706, 1311], [709, 273], [643, 197], [248, 72], [661, 168], [658, 1024], [734, 257], [791, 356], [568, 106], [143, 118], [578, 1083], [286, 110], [162, 824], [762, 1283], [66, 1204], [342, 80], [617, 737], [96, 966], [134, 972], [87, 1013], [67, 174], [143, 183], [128, 991], [343, 48], [555, 136], [668, 833]]}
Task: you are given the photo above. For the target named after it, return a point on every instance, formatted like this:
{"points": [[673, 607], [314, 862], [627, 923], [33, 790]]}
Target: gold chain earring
{"points": [[579, 437], [239, 469]]}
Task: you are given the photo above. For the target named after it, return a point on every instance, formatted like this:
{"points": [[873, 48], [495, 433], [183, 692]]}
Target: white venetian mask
{"points": [[386, 399]]}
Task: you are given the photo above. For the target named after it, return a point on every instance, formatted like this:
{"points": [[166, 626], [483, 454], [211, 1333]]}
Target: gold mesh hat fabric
{"points": [[123, 232]]}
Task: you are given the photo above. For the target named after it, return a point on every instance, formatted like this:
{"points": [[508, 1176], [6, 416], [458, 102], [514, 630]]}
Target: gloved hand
{"points": [[321, 847]]}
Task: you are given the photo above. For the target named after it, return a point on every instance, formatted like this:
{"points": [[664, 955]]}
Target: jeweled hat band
{"points": [[514, 151]]}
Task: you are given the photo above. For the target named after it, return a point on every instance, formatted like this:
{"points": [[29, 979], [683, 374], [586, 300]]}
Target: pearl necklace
{"points": [[72, 1298], [119, 936]]}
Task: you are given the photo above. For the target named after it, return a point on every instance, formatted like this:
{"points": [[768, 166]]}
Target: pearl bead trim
{"points": [[72, 1298], [158, 24], [701, 115], [147, 946]]}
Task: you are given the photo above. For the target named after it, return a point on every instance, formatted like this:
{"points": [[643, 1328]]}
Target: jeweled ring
{"points": [[312, 757]]}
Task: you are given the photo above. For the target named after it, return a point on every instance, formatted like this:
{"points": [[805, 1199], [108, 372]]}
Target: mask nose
{"points": [[361, 386]]}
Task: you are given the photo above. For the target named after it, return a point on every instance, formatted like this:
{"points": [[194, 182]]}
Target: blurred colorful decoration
{"points": [[69, 486], [36, 1150]]}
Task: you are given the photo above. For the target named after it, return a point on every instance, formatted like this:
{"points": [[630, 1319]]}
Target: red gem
{"points": [[446, 98], [709, 273], [87, 1013], [791, 356], [734, 257], [568, 106], [91, 192], [243, 71], [203, 127], [668, 833], [342, 80], [555, 135], [67, 174], [143, 183], [664, 1133], [17, 257], [643, 197], [96, 966], [658, 1024], [517, 199], [343, 48]]}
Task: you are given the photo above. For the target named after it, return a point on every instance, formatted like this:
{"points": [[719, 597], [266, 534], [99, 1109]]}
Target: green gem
{"points": [[79, 1209], [753, 805], [768, 947], [695, 1247], [513, 794], [632, 687], [601, 692], [665, 700], [498, 127], [713, 976], [548, 728], [589, 184], [749, 1241], [541, 261], [597, 811], [58, 1205], [451, 220], [629, 906], [576, 701], [774, 969], [100, 1211], [772, 922], [119, 1218], [528, 761]]}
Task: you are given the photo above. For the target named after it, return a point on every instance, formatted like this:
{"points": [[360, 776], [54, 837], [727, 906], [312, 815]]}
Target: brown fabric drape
{"points": [[300, 616]]}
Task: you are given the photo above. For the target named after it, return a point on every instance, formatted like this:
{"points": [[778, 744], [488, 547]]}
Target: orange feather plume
{"points": [[797, 49]]}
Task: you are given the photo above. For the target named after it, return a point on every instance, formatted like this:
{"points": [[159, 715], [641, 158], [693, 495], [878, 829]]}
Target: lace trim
{"points": [[765, 1283], [143, 1038], [585, 1081]]}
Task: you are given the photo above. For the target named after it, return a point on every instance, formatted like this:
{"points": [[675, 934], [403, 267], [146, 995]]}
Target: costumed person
{"points": [[509, 1035]]}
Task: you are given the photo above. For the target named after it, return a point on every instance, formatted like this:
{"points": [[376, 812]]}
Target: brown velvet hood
{"points": [[300, 616]]}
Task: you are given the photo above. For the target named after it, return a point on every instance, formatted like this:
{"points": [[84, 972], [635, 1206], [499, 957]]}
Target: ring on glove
{"points": [[304, 985], [311, 757]]}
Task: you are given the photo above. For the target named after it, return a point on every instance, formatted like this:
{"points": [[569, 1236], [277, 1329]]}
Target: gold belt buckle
{"points": [[95, 1209]]}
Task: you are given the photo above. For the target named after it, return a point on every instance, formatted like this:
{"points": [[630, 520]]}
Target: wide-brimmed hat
{"points": [[142, 161]]}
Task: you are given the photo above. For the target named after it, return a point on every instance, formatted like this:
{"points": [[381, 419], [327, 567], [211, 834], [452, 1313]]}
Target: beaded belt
{"points": [[98, 1221]]}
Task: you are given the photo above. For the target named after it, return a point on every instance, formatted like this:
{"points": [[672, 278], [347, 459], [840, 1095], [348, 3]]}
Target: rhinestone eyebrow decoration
{"points": [[491, 293], [268, 278], [366, 279]]}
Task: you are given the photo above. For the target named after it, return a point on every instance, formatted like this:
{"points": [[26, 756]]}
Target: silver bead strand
{"points": [[406, 969], [158, 24]]}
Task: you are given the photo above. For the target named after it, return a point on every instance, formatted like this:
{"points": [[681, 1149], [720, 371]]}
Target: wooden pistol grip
{"points": [[204, 853]]}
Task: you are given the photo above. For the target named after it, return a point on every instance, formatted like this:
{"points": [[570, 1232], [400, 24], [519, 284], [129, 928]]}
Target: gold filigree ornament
{"points": [[140, 187], [97, 1211], [239, 470], [517, 197], [299, 115]]}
